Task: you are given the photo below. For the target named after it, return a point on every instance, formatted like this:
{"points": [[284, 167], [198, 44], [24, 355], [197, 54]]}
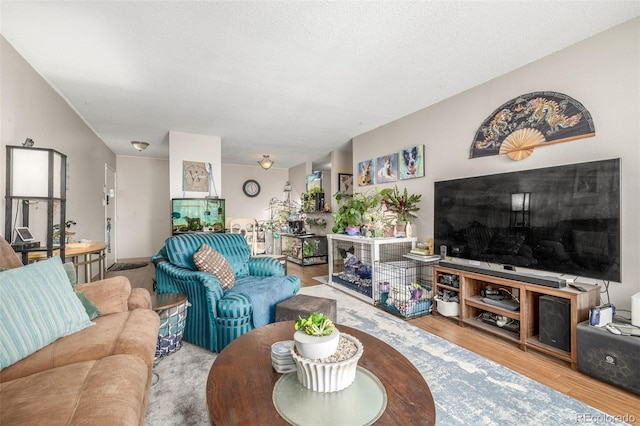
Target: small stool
{"points": [[302, 305]]}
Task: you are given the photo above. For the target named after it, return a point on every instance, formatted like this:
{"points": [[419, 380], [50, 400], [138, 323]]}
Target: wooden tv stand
{"points": [[472, 306]]}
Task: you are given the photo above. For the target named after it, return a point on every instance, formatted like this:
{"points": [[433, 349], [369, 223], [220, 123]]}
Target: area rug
{"points": [[324, 279], [126, 266], [467, 389]]}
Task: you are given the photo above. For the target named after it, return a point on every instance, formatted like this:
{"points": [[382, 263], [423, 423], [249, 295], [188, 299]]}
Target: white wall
{"points": [[143, 206], [237, 204], [193, 147], [31, 108], [298, 179], [603, 73]]}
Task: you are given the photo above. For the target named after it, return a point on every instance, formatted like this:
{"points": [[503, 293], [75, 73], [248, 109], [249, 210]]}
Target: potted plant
{"points": [[316, 336], [328, 369], [351, 212], [309, 198], [403, 205], [68, 234]]}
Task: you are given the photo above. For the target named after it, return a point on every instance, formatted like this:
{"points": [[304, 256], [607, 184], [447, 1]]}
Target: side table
{"points": [[172, 309]]}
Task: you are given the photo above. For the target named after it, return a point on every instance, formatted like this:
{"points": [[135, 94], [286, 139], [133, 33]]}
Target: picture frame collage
{"points": [[408, 163]]}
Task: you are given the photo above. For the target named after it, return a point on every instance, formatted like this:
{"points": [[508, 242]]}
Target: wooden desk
{"points": [[241, 380], [94, 252]]}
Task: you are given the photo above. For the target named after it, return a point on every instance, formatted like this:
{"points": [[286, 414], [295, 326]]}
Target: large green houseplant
{"points": [[352, 209], [401, 203]]}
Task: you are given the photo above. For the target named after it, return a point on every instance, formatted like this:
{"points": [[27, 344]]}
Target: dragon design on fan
{"points": [[528, 121]]}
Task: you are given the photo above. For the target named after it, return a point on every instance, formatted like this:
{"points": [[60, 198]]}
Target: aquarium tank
{"points": [[197, 215]]}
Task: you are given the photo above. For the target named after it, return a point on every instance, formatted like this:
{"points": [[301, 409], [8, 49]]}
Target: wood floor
{"points": [[556, 374]]}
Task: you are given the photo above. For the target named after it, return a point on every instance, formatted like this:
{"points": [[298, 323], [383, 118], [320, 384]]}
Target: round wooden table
{"points": [[241, 380]]}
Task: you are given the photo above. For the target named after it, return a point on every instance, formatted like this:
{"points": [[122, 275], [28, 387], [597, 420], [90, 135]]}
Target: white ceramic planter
{"points": [[328, 377], [316, 347]]}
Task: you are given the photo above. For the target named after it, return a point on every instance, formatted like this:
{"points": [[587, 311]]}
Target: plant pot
{"points": [[352, 230], [69, 236], [316, 347], [401, 229], [328, 376]]}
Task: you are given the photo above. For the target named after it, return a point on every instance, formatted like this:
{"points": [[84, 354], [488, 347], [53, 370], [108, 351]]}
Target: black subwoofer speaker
{"points": [[611, 358], [554, 325]]}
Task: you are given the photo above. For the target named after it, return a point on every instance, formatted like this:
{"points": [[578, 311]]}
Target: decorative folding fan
{"points": [[519, 144], [531, 120]]}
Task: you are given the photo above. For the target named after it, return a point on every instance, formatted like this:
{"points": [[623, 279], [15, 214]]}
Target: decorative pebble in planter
{"points": [[316, 347]]}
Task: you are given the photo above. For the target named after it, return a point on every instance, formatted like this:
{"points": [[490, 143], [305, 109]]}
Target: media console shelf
{"points": [[526, 334]]}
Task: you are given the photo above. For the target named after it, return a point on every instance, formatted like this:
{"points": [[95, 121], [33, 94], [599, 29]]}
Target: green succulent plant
{"points": [[315, 324]]}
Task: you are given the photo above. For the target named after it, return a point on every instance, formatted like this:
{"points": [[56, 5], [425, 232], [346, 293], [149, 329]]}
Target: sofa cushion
{"points": [[208, 260], [265, 293], [8, 258], [109, 391], [110, 295], [131, 332], [38, 306]]}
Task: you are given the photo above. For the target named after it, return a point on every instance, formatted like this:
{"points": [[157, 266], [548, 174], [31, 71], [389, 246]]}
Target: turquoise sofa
{"points": [[216, 316]]}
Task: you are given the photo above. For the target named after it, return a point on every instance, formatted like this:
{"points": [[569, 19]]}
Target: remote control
{"points": [[577, 287], [612, 329]]}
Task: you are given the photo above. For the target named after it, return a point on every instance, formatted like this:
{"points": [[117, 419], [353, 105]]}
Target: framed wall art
{"points": [[195, 176], [345, 183], [366, 173], [387, 168], [411, 162]]}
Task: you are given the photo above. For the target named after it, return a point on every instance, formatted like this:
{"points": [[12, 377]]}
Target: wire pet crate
{"points": [[352, 266], [404, 287], [353, 261]]}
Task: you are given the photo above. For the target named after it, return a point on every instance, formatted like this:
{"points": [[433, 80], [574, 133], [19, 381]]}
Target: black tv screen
{"points": [[563, 219]]}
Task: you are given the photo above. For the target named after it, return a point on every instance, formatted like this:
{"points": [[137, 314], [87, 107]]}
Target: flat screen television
{"points": [[563, 219]]}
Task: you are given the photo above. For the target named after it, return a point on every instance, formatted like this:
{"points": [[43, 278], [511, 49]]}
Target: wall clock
{"points": [[251, 188]]}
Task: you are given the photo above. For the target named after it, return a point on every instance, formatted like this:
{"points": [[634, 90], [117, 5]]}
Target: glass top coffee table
{"points": [[241, 381]]}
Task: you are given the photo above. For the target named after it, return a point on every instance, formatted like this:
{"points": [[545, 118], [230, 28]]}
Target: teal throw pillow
{"points": [[70, 270], [89, 306], [38, 307]]}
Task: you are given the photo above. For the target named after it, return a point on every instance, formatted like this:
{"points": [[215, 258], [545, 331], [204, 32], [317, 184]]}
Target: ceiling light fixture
{"points": [[140, 146], [266, 162]]}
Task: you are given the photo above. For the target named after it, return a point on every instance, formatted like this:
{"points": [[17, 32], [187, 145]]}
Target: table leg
{"points": [[87, 267], [74, 259], [102, 255]]}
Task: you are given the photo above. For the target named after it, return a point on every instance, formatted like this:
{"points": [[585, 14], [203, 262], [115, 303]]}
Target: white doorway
{"points": [[109, 202]]}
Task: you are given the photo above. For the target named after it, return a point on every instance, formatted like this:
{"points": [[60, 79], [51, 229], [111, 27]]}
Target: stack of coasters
{"points": [[281, 358]]}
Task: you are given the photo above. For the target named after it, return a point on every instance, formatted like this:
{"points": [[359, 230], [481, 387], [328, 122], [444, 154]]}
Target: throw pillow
{"points": [[38, 307], [89, 306], [208, 260]]}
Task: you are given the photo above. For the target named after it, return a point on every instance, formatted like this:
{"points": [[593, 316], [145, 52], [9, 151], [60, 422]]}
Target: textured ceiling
{"points": [[291, 79]]}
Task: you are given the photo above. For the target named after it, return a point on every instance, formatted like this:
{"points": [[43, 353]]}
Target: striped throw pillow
{"points": [[38, 306]]}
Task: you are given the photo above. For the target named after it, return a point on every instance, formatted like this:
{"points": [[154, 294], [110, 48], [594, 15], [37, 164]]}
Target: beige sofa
{"points": [[99, 375]]}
